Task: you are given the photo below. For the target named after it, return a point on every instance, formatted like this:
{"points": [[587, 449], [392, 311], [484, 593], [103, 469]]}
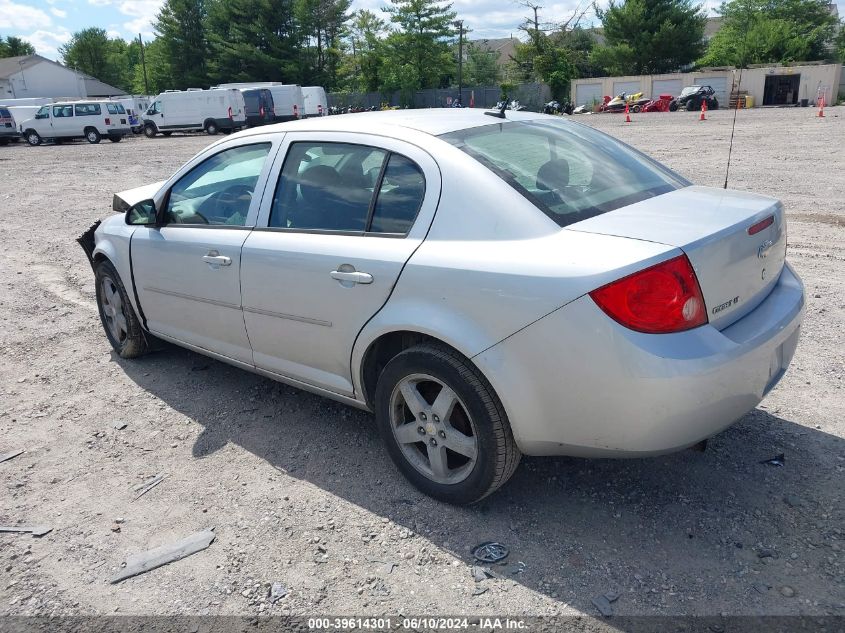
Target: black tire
{"points": [[636, 109], [713, 105], [150, 130], [33, 138], [93, 136], [211, 128], [673, 106], [166, 134], [115, 138], [134, 343], [497, 454], [692, 105]]}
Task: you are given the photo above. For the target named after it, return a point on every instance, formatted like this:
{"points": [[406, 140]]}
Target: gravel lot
{"points": [[299, 489]]}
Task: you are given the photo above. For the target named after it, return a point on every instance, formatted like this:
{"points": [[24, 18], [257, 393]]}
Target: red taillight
{"points": [[320, 109], [230, 112], [762, 224], [658, 300], [295, 111], [108, 121]]}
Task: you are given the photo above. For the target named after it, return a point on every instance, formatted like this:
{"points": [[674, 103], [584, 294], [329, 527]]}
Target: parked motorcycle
{"points": [[556, 107]]}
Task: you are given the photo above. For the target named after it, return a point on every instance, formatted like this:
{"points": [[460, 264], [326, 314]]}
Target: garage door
{"points": [[665, 87], [625, 86], [587, 93], [719, 85]]}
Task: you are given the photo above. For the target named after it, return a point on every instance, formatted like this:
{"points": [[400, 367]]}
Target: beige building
{"points": [[33, 76], [770, 85]]}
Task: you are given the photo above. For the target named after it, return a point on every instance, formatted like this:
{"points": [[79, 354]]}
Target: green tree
{"points": [[253, 40], [15, 47], [94, 53], [364, 54], [771, 31], [542, 59], [481, 66], [180, 25], [321, 27], [159, 78], [649, 36], [418, 51]]}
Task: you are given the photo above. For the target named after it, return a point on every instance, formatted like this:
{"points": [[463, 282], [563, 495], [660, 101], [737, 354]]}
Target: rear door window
{"points": [[399, 198]]}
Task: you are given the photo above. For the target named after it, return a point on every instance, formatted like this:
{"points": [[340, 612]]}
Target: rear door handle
{"points": [[354, 277], [216, 259]]}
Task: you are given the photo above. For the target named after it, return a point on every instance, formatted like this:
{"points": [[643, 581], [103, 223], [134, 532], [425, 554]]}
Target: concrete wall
{"points": [[43, 80], [753, 80]]}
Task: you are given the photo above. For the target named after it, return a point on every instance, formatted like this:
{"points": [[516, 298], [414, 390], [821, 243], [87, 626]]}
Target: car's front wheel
{"points": [[443, 425], [33, 138], [122, 326], [92, 136]]}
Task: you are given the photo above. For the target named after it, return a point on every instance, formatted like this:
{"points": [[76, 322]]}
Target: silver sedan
{"points": [[488, 286]]}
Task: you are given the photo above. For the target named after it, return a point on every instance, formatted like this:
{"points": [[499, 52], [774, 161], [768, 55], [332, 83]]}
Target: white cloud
{"points": [[142, 12], [47, 43], [22, 16], [59, 13]]}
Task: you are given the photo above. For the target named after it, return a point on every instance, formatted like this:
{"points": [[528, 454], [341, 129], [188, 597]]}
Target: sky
{"points": [[47, 24]]}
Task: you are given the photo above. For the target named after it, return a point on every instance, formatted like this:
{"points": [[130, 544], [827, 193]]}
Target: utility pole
{"points": [[460, 24], [144, 65]]}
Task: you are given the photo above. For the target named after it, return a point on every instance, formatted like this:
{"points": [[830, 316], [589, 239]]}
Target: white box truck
{"points": [[288, 99], [316, 102], [193, 110]]}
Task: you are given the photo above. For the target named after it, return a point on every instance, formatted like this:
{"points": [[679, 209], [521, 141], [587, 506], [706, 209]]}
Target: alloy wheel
{"points": [[433, 428], [113, 309]]}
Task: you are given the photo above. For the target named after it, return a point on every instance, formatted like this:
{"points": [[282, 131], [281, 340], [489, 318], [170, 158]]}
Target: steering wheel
{"points": [[221, 202]]}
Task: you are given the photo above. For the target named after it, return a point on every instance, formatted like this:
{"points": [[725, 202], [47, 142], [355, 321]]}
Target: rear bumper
{"points": [[578, 383]]}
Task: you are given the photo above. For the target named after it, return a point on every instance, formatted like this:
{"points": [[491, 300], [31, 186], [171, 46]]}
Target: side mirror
{"points": [[142, 214], [41, 116]]}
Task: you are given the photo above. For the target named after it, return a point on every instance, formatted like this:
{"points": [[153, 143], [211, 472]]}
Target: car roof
{"points": [[434, 121]]}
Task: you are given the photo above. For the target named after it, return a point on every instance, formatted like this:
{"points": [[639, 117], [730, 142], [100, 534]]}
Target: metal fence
{"points": [[532, 96]]}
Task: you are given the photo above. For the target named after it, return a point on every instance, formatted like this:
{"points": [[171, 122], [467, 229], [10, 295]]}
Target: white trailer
{"points": [[316, 102], [288, 99]]}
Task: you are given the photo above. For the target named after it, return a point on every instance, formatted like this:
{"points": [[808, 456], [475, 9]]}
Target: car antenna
{"points": [[500, 114], [736, 106]]}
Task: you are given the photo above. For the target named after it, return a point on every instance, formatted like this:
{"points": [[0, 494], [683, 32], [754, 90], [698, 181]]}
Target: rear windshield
{"points": [[570, 172], [4, 113]]}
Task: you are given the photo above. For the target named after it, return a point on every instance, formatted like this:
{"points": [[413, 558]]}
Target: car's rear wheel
{"points": [[714, 104], [443, 425], [167, 134], [33, 138], [150, 130], [92, 136], [122, 326], [693, 105], [211, 128], [115, 138]]}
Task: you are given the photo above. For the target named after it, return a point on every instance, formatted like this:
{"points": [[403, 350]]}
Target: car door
{"points": [[187, 269], [63, 122], [341, 216]]}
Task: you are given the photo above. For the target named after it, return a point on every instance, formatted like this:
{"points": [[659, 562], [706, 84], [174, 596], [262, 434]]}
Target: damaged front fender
{"points": [[87, 242]]}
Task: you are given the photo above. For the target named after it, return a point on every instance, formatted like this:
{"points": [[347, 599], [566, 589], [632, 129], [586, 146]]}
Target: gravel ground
{"points": [[299, 489]]}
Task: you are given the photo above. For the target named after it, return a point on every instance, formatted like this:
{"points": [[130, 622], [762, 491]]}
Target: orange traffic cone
{"points": [[627, 115], [821, 107], [703, 116]]}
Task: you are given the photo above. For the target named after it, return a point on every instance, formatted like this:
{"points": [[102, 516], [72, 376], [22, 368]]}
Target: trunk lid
{"points": [[736, 270]]}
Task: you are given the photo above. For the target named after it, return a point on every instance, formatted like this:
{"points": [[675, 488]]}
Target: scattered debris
{"points": [[35, 530], [480, 573], [490, 552], [612, 596], [389, 567], [767, 552], [8, 456], [146, 561], [603, 605], [777, 460], [277, 592], [787, 592], [119, 425], [512, 570], [148, 485], [115, 527], [793, 501], [761, 587], [479, 590]]}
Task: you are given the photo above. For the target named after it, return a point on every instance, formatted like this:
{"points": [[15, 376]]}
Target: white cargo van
{"points": [[316, 102], [135, 106], [91, 120], [288, 99], [215, 110]]}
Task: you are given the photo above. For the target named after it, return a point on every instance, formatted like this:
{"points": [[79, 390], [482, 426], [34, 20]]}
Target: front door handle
{"points": [[216, 259], [352, 276]]}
